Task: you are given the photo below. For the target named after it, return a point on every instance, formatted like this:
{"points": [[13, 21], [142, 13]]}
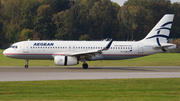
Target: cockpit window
{"points": [[13, 46]]}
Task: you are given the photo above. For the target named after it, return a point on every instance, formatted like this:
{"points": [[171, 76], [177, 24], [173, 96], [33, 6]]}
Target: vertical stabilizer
{"points": [[160, 33]]}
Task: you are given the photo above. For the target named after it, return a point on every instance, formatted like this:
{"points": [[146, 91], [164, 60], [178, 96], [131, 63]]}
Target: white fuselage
{"points": [[48, 49]]}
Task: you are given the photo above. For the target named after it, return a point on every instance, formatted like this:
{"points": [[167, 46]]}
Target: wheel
{"points": [[26, 66], [85, 66]]}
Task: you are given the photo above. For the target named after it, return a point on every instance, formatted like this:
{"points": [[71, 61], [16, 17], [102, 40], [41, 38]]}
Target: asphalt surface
{"points": [[19, 73]]}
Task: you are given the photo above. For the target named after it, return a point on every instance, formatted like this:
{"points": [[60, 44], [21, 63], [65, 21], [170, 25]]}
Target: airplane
{"points": [[67, 53]]}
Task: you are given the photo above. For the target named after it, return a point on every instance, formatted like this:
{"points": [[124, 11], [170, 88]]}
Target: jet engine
{"points": [[65, 60]]}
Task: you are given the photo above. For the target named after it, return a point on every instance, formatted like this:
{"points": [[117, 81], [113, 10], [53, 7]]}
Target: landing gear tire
{"points": [[26, 66], [85, 66]]}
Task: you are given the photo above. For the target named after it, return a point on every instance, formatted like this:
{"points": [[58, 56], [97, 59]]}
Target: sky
{"points": [[121, 2]]}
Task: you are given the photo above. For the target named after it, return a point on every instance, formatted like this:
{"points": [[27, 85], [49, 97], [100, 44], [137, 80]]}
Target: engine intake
{"points": [[65, 60]]}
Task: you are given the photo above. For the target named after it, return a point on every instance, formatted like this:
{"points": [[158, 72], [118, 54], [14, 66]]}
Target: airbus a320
{"points": [[71, 52]]}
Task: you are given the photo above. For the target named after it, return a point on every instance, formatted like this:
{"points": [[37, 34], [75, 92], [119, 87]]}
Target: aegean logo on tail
{"points": [[161, 35], [159, 30]]}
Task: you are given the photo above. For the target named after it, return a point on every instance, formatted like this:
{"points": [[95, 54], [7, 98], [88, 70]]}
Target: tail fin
{"points": [[160, 33]]}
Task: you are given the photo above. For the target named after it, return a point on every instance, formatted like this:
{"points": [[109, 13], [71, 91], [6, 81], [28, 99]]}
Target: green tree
{"points": [[175, 7], [57, 5], [44, 23], [84, 37], [62, 24], [1, 26], [83, 17], [157, 8], [73, 19], [12, 11], [123, 17], [67, 24], [13, 34], [29, 13], [36, 36], [102, 15], [26, 34]]}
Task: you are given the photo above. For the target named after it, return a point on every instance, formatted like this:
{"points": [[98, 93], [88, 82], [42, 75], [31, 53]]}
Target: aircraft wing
{"points": [[90, 53]]}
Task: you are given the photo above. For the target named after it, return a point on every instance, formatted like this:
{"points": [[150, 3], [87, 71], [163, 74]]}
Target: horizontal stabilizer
{"points": [[163, 47]]}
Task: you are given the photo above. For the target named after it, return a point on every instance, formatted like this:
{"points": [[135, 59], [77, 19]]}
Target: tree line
{"points": [[82, 19]]}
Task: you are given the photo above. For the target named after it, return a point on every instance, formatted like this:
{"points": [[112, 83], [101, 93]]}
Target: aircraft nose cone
{"points": [[5, 52]]}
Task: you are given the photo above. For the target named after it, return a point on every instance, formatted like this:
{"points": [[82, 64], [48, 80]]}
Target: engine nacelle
{"points": [[65, 60]]}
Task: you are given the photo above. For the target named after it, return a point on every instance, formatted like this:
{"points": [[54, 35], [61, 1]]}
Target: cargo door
{"points": [[140, 49]]}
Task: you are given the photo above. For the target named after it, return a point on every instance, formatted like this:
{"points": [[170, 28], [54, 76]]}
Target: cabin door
{"points": [[26, 47]]}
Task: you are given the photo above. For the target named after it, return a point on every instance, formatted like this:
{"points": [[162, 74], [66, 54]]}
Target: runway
{"points": [[35, 73]]}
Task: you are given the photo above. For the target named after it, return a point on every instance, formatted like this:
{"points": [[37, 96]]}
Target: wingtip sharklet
{"points": [[107, 39], [109, 44]]}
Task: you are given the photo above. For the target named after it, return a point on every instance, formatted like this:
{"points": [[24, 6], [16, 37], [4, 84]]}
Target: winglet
{"points": [[108, 45], [107, 39]]}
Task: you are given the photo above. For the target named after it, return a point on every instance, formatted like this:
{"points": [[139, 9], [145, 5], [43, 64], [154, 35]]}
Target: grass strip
{"points": [[158, 89]]}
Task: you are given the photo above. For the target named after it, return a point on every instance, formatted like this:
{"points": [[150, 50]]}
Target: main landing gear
{"points": [[26, 66], [85, 65]]}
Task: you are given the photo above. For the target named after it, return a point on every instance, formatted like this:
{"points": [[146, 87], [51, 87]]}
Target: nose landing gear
{"points": [[26, 66]]}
